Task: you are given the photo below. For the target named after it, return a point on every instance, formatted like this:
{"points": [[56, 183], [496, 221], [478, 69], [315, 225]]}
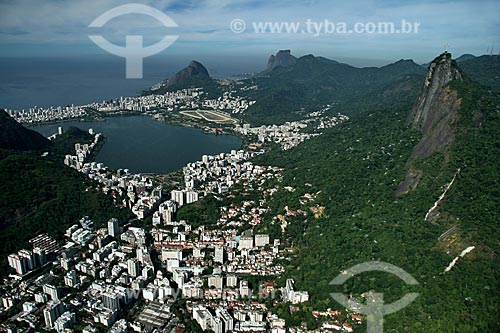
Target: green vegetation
{"points": [[289, 93], [43, 195], [65, 144], [484, 69], [203, 212], [352, 172], [356, 168], [14, 136], [179, 309]]}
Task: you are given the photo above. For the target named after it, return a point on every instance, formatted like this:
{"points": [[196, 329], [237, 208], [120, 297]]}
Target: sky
{"points": [[49, 28]]}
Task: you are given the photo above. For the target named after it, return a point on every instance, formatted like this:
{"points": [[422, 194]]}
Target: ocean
{"points": [[59, 81]]}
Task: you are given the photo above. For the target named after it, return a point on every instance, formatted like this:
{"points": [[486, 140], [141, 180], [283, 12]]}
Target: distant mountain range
{"points": [[484, 69], [291, 87], [465, 57]]}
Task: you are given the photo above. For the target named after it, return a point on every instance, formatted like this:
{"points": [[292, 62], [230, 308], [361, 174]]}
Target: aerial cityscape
{"points": [[353, 192]]}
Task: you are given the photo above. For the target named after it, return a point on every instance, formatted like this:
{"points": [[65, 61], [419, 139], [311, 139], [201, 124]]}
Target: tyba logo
{"points": [[134, 51]]}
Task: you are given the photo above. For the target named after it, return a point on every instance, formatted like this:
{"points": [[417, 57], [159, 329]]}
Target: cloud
{"points": [[468, 26]]}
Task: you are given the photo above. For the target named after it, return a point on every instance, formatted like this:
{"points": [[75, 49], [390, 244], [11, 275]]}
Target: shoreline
{"points": [[228, 132], [53, 122], [201, 125]]}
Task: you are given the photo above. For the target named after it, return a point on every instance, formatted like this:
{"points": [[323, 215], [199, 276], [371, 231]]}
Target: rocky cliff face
{"points": [[283, 58], [434, 113], [442, 71]]}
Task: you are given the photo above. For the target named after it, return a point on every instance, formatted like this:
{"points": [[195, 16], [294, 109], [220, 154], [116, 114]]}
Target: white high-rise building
{"points": [[133, 267], [219, 254], [292, 296], [111, 300], [231, 281], [215, 281], [261, 240], [30, 260], [172, 264], [217, 325], [178, 196], [202, 316], [51, 312], [226, 318], [245, 290], [113, 228], [70, 279], [18, 263], [198, 253], [171, 254], [246, 242], [66, 320], [40, 256], [156, 218], [191, 196], [168, 210], [52, 291]]}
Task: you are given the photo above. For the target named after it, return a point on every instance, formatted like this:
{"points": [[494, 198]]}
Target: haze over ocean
{"points": [[54, 81]]}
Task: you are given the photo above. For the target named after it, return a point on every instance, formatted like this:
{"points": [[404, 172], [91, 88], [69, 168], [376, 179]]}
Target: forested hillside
{"points": [[41, 194], [354, 170]]}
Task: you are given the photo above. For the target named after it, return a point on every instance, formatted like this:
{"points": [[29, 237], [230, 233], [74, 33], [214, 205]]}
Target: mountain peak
{"points": [[194, 69], [441, 71], [403, 66], [405, 62], [465, 57], [194, 75], [195, 65], [283, 58], [307, 57]]}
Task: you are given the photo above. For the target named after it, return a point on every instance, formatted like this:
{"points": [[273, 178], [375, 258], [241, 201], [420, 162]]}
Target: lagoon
{"points": [[144, 145]]}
